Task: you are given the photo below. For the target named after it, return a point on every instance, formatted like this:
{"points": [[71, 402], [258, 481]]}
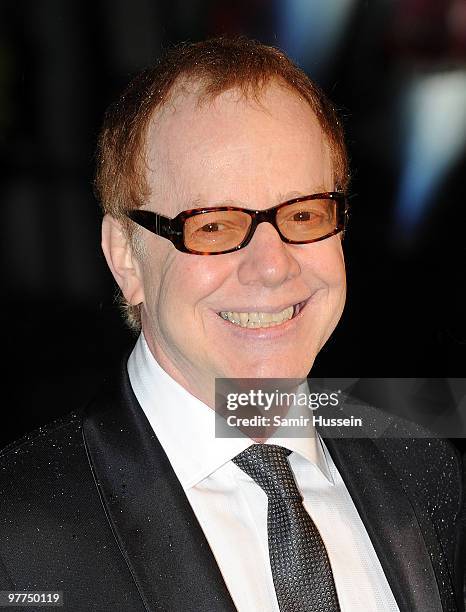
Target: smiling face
{"points": [[198, 312]]}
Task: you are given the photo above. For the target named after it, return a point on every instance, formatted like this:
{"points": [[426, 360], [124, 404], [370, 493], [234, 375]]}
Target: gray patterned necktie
{"points": [[301, 569]]}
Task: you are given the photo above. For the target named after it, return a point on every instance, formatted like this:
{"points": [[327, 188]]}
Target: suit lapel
{"points": [[151, 518], [390, 521]]}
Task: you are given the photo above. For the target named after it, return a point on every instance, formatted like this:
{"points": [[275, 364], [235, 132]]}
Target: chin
{"points": [[279, 368]]}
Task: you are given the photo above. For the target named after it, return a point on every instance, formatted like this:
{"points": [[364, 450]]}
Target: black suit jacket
{"points": [[90, 506]]}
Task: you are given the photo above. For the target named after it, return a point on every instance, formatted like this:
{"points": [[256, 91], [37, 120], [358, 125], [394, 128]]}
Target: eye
{"points": [[211, 227], [306, 216], [302, 215]]}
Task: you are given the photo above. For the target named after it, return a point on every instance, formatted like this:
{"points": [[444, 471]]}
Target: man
{"points": [[222, 174]]}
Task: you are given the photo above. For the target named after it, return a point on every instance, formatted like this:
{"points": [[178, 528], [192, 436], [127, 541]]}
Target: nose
{"points": [[267, 260]]}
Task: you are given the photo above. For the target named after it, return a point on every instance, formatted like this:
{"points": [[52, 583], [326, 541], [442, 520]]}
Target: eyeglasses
{"points": [[223, 229]]}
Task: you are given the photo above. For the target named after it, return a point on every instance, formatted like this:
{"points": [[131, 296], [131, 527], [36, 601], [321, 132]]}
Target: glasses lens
{"points": [[216, 231], [308, 220]]}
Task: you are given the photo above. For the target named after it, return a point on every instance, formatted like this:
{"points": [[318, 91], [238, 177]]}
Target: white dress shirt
{"points": [[232, 509]]}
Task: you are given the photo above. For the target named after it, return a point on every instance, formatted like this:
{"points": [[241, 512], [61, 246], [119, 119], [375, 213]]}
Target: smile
{"points": [[262, 319]]}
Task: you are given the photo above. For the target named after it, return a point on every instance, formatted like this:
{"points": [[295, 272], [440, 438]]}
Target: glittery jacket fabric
{"points": [[90, 506]]}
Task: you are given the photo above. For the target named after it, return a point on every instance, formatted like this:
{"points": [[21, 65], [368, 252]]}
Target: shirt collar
{"points": [[185, 426]]}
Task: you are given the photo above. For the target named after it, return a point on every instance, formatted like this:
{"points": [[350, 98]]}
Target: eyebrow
{"points": [[299, 194], [200, 203]]}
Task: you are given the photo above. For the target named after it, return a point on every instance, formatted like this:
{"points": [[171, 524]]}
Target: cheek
{"points": [[326, 263], [188, 284], [332, 273]]}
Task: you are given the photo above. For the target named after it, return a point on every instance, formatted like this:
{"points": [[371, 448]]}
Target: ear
{"points": [[123, 264]]}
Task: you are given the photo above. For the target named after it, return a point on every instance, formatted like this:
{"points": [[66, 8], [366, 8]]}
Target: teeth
{"points": [[243, 316], [258, 319]]}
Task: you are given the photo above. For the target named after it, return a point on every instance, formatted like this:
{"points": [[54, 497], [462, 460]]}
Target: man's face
{"points": [[236, 152]]}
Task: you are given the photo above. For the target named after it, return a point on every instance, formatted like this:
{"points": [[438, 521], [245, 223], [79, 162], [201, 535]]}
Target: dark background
{"points": [[397, 71]]}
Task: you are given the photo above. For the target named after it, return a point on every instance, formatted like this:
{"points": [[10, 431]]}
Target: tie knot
{"points": [[268, 466]]}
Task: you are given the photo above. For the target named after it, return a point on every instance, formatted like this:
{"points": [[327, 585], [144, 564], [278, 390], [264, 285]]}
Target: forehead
{"points": [[233, 149]]}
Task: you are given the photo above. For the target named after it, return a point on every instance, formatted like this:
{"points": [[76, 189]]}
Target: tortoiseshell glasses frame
{"points": [[173, 228]]}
